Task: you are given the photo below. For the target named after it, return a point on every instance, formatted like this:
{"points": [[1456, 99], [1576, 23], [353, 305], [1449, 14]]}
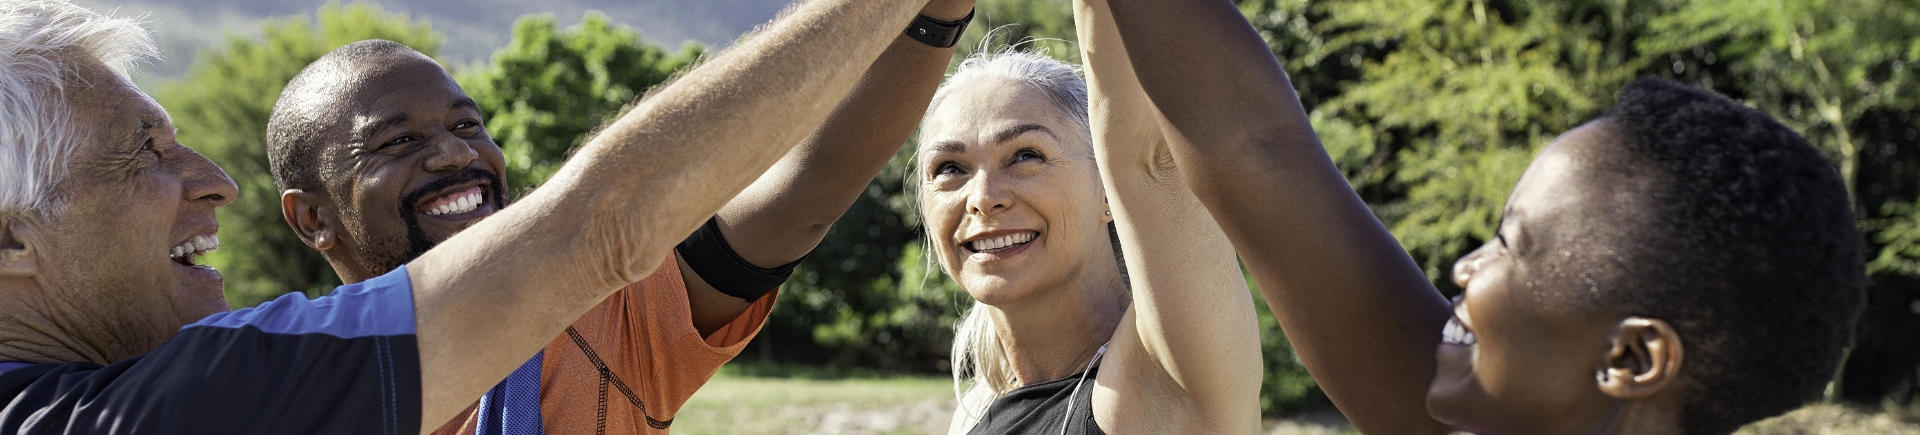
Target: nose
{"points": [[205, 181], [449, 153], [1465, 267], [987, 196]]}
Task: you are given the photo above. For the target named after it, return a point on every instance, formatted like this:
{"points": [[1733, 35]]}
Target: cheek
{"points": [[941, 212], [490, 152], [1069, 202]]}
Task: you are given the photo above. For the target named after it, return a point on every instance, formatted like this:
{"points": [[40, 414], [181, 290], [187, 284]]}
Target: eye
{"points": [[946, 168], [149, 147], [465, 124], [1025, 154], [402, 140]]}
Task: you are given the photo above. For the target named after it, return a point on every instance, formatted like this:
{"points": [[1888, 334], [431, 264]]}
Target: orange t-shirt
{"points": [[644, 334]]}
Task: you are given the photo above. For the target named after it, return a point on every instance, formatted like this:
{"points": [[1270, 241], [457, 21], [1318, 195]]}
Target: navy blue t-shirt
{"points": [[346, 363]]}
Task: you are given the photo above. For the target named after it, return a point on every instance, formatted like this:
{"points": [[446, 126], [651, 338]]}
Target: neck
{"points": [[32, 330], [1641, 417], [1056, 336], [350, 268]]}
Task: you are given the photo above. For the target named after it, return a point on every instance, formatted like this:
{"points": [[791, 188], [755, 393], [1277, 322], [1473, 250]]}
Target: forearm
{"points": [[1193, 313], [492, 295], [1357, 310], [787, 211]]}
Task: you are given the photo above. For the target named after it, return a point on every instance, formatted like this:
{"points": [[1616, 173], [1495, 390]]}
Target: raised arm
{"points": [[785, 214], [1355, 307], [1193, 317], [492, 295]]}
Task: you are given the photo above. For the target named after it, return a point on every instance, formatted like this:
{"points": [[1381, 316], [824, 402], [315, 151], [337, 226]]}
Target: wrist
{"points": [[938, 33], [947, 11]]}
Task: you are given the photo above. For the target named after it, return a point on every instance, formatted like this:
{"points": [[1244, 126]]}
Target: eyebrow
{"points": [[1016, 131], [368, 129], [1002, 137], [148, 123], [373, 127]]}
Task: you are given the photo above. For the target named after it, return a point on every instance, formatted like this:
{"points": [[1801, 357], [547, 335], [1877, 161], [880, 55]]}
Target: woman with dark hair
{"points": [[1682, 264]]}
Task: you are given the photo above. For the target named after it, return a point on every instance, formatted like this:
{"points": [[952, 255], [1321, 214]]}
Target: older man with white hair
{"points": [[109, 325]]}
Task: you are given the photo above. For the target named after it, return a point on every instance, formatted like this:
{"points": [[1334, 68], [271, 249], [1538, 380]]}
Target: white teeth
{"points": [[1455, 333], [1002, 241], [462, 205], [195, 246]]}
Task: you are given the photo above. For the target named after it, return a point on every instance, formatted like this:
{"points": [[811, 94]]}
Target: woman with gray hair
{"points": [[1019, 182]]}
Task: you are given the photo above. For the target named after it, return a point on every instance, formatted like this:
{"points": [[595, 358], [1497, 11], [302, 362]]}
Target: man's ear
{"points": [[17, 256], [308, 215], [1643, 359]]}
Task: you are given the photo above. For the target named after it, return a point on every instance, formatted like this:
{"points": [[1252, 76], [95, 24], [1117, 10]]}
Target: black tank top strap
{"points": [[1040, 409]]}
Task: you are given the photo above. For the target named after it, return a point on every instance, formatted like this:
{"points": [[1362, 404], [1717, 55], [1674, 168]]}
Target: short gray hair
{"points": [[41, 43], [1059, 81]]}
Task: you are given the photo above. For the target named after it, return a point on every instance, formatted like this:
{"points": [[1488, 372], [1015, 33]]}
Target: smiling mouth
{"points": [[1457, 333], [184, 253], [456, 203], [1000, 243]]}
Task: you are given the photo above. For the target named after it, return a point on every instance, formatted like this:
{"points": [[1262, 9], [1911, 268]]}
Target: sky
{"points": [[474, 28]]}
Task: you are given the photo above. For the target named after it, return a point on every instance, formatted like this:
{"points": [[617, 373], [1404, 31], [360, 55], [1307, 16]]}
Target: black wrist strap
{"points": [[714, 260], [940, 34]]}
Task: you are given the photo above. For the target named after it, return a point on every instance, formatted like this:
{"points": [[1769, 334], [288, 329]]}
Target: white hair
{"points": [[982, 369], [41, 43], [1059, 81]]}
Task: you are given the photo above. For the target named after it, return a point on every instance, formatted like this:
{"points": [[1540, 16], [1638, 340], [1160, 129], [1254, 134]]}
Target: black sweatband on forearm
{"points": [[714, 260]]}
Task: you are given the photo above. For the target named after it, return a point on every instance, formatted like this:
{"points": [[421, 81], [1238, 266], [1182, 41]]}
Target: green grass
{"points": [[796, 403], [762, 399]]}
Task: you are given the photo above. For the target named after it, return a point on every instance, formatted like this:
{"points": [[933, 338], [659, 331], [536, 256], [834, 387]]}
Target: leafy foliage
{"points": [[549, 88]]}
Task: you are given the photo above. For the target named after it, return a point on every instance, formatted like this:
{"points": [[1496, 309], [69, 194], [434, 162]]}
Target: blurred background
{"points": [[1431, 107]]}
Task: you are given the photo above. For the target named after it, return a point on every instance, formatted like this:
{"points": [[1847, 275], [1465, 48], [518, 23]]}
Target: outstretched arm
{"points": [[492, 295], [786, 212], [1355, 307], [1193, 318]]}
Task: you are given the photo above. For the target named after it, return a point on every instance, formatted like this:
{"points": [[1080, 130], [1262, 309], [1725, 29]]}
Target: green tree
{"points": [[1044, 26], [549, 88], [1453, 99], [222, 107]]}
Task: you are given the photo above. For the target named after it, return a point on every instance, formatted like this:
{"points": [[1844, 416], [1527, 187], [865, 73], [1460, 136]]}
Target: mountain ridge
{"points": [[473, 28]]}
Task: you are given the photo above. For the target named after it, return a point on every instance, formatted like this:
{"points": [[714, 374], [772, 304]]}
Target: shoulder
{"points": [[382, 306]]}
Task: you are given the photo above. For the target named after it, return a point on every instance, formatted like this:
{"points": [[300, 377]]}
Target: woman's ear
{"points": [[1642, 360], [307, 214], [17, 256]]}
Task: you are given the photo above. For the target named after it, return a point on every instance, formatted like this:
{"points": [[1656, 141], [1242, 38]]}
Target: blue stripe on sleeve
{"points": [[513, 406], [375, 307], [10, 365]]}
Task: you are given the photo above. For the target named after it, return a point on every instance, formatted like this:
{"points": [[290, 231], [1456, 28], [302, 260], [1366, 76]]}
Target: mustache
{"points": [[494, 191]]}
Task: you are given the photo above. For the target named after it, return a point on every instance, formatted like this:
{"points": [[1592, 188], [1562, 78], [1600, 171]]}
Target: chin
{"points": [[994, 290], [1454, 402], [197, 305]]}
